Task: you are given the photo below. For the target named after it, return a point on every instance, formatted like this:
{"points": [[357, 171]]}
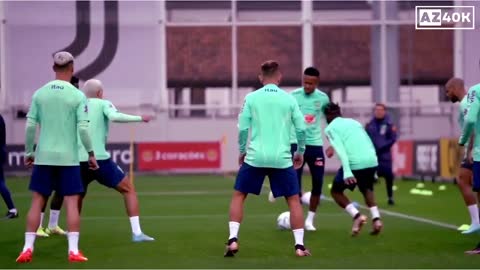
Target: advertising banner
{"points": [[178, 156], [426, 156], [451, 155], [402, 154]]}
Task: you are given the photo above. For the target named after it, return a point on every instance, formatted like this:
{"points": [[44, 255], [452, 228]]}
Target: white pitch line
{"points": [[399, 215], [409, 217]]}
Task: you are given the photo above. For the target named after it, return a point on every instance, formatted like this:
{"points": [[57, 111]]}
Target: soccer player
{"points": [[357, 154], [7, 197], [101, 112], [384, 135], [55, 204], [62, 112], [311, 102], [455, 91], [270, 113]]}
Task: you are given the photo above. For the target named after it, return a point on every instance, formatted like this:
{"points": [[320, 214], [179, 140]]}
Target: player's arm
{"points": [[115, 116], [471, 117], [82, 126], [391, 138], [244, 123], [339, 148], [31, 128], [470, 147], [300, 127]]}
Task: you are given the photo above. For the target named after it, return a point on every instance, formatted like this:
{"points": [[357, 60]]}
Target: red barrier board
{"points": [[178, 155]]}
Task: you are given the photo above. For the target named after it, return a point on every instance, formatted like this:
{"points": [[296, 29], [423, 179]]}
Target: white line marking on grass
{"points": [[398, 215], [256, 216]]}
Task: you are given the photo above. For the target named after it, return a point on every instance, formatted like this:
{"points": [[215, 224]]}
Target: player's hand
{"points": [[29, 161], [92, 163], [329, 152], [297, 161], [147, 118], [241, 158], [350, 181], [469, 157]]}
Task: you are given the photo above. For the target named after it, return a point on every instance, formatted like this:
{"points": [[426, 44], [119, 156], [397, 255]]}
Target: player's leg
{"points": [[299, 171], [385, 170], [41, 231], [55, 206], [41, 187], [465, 179], [7, 197], [365, 180], [249, 180], [338, 195], [316, 163], [284, 184], [70, 186]]}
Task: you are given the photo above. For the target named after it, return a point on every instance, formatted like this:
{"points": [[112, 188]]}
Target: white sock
{"points": [[73, 242], [298, 234], [53, 221], [29, 241], [473, 209], [310, 217], [13, 210], [374, 212], [234, 227], [41, 220], [135, 224], [351, 210]]}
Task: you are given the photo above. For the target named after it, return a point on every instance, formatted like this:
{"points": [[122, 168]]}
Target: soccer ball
{"points": [[306, 198], [283, 221]]}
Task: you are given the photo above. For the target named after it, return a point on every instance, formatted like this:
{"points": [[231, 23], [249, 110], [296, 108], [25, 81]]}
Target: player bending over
{"points": [[63, 114], [311, 102], [270, 113], [101, 112], [359, 164], [456, 92]]}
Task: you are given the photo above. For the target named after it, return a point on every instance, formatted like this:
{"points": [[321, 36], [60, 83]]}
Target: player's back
{"points": [[271, 120], [358, 145], [98, 127], [55, 107]]}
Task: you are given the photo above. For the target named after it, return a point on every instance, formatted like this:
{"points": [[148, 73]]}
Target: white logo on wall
{"points": [[427, 158], [444, 17]]}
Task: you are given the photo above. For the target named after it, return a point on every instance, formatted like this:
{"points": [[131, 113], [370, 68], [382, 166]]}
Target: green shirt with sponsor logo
{"points": [[470, 121], [311, 106]]}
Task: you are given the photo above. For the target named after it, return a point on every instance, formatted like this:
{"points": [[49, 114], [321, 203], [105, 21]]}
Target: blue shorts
{"points": [[108, 174], [466, 165], [476, 176], [66, 180], [283, 182], [315, 159]]}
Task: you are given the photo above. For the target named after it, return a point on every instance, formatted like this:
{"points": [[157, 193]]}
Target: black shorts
{"points": [[365, 179], [466, 165]]}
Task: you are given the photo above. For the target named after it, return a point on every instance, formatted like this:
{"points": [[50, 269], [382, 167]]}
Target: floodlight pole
{"points": [[162, 76], [307, 33]]}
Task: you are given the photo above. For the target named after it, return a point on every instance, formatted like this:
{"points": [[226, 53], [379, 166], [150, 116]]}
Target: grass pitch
{"points": [[188, 216]]}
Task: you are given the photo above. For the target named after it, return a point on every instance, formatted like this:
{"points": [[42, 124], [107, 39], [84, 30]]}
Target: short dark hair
{"points": [[381, 105], [332, 108], [269, 68], [311, 71]]}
